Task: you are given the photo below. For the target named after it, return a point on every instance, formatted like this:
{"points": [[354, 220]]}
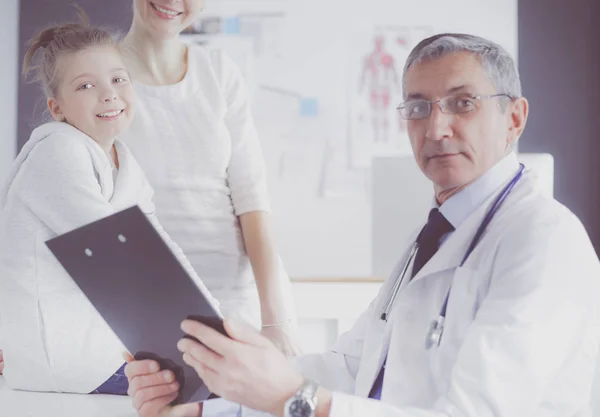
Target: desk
{"points": [[326, 308], [33, 404], [37, 404]]}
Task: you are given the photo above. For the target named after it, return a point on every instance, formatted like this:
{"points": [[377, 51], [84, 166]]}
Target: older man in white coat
{"points": [[492, 310]]}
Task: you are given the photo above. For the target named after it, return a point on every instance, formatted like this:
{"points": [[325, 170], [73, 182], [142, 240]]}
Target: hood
{"points": [[39, 134]]}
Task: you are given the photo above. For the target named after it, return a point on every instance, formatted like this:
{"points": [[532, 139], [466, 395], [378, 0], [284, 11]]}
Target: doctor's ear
{"points": [[518, 112], [55, 110]]}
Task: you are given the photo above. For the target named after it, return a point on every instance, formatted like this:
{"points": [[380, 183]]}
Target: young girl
{"points": [[71, 172]]}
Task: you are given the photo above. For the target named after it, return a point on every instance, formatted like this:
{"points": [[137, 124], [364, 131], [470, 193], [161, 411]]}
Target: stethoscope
{"points": [[436, 329]]}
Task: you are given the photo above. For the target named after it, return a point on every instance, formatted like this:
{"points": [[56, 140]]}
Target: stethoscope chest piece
{"points": [[434, 335]]}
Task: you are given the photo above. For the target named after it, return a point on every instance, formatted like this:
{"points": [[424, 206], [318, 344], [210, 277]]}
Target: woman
{"points": [[195, 138]]}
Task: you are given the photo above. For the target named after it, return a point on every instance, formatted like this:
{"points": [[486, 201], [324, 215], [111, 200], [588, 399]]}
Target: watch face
{"points": [[300, 408]]}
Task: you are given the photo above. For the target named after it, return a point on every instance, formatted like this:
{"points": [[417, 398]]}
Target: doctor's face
{"points": [[166, 19], [455, 149]]}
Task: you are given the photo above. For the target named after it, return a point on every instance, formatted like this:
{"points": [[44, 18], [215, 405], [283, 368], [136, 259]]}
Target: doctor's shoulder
{"points": [[540, 230]]}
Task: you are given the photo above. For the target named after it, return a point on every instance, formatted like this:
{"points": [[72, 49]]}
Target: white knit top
{"points": [[198, 146]]}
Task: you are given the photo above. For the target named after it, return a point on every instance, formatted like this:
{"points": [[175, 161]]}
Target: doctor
{"points": [[493, 308]]}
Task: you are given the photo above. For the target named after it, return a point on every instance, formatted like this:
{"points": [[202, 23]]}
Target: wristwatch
{"points": [[304, 402]]}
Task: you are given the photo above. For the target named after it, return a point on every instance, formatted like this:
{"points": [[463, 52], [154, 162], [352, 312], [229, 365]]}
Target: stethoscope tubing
{"points": [[476, 238]]}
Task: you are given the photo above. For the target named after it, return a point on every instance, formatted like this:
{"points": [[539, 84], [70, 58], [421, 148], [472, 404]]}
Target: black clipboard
{"points": [[141, 290]]}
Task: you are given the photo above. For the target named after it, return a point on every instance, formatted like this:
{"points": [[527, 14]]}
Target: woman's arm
{"points": [[246, 178], [263, 257], [260, 247]]}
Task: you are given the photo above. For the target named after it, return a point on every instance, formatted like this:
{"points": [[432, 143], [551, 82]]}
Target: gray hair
{"points": [[498, 65]]}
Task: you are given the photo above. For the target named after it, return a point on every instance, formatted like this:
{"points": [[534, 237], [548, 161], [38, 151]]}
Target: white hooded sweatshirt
{"points": [[53, 338]]}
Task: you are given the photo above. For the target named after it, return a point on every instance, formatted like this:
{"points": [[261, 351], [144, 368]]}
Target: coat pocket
{"points": [[460, 313]]}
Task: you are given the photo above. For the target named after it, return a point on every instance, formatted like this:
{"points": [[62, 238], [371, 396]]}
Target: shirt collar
{"points": [[461, 205]]}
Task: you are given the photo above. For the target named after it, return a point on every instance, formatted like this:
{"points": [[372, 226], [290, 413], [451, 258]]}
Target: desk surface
{"points": [[33, 404]]}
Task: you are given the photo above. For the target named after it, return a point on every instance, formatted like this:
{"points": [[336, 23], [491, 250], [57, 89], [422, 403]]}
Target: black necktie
{"points": [[429, 242], [429, 239]]}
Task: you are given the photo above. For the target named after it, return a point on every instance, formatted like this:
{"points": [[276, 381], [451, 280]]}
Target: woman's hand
{"points": [[282, 337], [1, 362]]}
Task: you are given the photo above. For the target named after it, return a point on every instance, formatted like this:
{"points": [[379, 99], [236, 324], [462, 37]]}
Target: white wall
{"points": [[402, 175], [9, 81], [320, 166]]}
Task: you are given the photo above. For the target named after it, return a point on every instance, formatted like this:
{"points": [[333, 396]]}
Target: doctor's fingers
{"points": [[245, 334], [194, 354], [146, 381], [209, 337], [158, 397], [211, 378]]}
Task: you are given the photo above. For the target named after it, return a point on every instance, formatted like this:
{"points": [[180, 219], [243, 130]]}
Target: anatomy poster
{"points": [[377, 59]]}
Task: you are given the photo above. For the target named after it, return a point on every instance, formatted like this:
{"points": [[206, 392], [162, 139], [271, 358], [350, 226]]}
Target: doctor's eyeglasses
{"points": [[454, 104]]}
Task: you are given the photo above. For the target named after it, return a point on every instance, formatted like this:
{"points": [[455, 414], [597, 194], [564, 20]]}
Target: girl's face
{"points": [[166, 19], [94, 93]]}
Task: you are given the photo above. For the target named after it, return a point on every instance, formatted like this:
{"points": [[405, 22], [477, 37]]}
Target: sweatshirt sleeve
{"points": [[58, 183]]}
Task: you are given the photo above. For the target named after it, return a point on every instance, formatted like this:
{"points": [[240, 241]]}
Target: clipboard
{"points": [[141, 290]]}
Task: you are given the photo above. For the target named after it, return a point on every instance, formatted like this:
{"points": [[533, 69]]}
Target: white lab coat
{"points": [[53, 338], [522, 328]]}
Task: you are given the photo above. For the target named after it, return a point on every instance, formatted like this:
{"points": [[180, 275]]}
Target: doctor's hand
{"points": [[153, 390], [246, 369], [283, 339], [1, 362]]}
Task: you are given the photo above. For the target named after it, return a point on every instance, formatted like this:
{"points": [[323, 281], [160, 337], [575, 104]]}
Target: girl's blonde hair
{"points": [[53, 43]]}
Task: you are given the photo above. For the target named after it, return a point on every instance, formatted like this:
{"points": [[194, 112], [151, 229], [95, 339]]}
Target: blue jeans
{"points": [[115, 385]]}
